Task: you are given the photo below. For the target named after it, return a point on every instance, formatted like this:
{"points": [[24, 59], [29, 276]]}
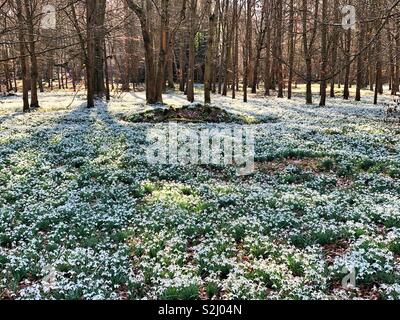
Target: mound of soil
{"points": [[194, 113]]}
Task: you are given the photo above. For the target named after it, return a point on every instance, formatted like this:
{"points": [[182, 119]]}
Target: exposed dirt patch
{"points": [[337, 249], [343, 182], [194, 113], [280, 165], [123, 292]]}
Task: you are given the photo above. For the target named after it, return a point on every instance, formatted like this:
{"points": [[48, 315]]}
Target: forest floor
{"points": [[83, 215]]}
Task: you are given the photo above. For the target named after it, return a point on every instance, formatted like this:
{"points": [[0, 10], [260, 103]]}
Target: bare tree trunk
{"points": [[371, 67], [90, 63], [209, 53], [260, 43], [307, 53], [235, 48], [170, 62], [378, 74], [346, 91], [32, 53], [360, 62], [143, 13], [279, 18], [247, 50], [216, 75], [291, 47], [228, 53], [192, 35], [99, 39], [151, 93], [222, 34], [106, 73], [267, 67], [59, 77], [182, 64], [250, 45], [15, 76], [164, 41], [334, 48], [396, 79], [324, 49], [22, 52], [391, 61]]}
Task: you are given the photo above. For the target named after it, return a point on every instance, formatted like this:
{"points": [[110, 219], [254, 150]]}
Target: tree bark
{"points": [[247, 51], [324, 49], [209, 53], [235, 76], [90, 61], [32, 53], [182, 64], [291, 47], [164, 41], [143, 14], [267, 67], [280, 31], [360, 62], [228, 53], [192, 35], [22, 52], [99, 40], [378, 70], [396, 79], [346, 91], [307, 54], [260, 43], [334, 48]]}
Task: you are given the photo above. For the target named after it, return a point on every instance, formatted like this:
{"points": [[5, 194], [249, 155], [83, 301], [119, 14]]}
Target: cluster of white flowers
{"points": [[78, 197]]}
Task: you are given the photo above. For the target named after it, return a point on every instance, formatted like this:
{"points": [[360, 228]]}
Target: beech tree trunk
{"points": [[22, 52], [91, 52], [247, 50], [32, 53], [307, 55], [267, 67], [396, 79], [99, 41], [235, 27], [334, 48], [164, 41], [182, 64], [260, 43], [360, 63], [291, 48], [324, 51], [170, 62], [378, 71], [143, 14], [228, 53], [346, 91], [192, 35], [209, 53], [280, 31]]}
